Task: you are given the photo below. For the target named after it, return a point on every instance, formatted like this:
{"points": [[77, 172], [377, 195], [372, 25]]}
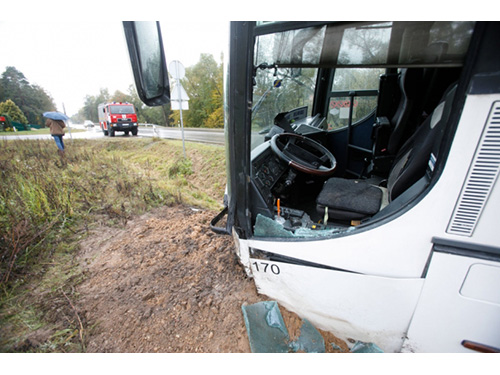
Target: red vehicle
{"points": [[117, 116]]}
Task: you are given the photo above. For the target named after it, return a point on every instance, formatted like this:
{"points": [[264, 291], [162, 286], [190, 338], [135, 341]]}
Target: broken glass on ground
{"points": [[267, 332], [266, 329]]}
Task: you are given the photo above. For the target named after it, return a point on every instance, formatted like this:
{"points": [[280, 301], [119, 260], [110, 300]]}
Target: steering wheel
{"points": [[303, 154]]}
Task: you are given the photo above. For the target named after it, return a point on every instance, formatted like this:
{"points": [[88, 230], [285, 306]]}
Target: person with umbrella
{"points": [[55, 121]]}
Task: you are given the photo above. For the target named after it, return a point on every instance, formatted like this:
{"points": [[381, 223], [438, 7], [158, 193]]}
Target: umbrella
{"points": [[56, 115]]}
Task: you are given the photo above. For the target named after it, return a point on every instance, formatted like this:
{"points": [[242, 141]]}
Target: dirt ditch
{"points": [[166, 283]]}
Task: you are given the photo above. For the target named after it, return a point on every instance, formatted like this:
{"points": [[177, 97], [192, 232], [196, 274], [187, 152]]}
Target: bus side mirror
{"points": [[145, 47]]}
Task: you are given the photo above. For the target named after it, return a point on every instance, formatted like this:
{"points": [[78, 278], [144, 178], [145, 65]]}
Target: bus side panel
{"points": [[460, 301], [352, 306]]}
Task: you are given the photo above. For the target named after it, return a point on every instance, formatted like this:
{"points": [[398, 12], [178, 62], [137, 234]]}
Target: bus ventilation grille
{"points": [[480, 180]]}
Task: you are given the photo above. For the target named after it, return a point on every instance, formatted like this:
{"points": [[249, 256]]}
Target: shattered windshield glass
{"points": [[277, 91]]}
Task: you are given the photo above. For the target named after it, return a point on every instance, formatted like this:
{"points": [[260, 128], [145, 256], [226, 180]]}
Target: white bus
{"points": [[362, 164]]}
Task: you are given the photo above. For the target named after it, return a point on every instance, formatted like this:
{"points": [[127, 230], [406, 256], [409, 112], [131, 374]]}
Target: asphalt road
{"points": [[190, 135]]}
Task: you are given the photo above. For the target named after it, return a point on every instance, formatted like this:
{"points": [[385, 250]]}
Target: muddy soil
{"points": [[166, 283]]}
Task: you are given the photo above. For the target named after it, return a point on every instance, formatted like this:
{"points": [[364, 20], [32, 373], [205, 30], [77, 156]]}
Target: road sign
{"points": [[177, 69], [178, 94]]}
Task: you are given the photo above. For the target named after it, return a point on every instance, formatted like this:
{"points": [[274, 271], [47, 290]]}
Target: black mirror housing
{"points": [[147, 57]]}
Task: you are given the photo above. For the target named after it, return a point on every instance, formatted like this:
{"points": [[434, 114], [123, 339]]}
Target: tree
{"points": [[216, 118], [91, 103], [13, 82], [37, 101], [31, 99], [10, 108], [120, 97], [204, 86]]}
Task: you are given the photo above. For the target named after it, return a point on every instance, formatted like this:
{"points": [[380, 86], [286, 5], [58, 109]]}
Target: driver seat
{"points": [[351, 200]]}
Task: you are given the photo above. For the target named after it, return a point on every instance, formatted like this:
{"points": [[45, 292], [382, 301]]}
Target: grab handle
{"points": [[216, 219]]}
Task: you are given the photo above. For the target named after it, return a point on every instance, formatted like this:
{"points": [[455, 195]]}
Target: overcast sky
{"points": [[73, 59]]}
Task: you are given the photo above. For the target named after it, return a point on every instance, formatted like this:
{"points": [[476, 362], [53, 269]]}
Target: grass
{"points": [[48, 204]]}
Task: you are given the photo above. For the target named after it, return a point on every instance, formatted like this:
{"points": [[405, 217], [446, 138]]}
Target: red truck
{"points": [[117, 116]]}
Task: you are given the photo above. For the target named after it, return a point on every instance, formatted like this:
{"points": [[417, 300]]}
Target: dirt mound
{"points": [[165, 283]]}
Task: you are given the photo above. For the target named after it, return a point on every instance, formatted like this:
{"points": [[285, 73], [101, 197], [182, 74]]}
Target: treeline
{"points": [[203, 84], [22, 101]]}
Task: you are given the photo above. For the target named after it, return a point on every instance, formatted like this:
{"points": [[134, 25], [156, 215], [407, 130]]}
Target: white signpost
{"points": [[179, 98], [174, 97]]}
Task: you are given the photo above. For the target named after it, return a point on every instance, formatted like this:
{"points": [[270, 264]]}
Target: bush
{"points": [[10, 108]]}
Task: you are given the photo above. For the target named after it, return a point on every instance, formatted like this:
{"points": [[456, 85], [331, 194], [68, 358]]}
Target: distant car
{"points": [[88, 124]]}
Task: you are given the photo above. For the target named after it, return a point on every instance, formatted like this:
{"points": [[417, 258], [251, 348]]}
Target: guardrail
{"points": [[179, 128], [215, 136]]}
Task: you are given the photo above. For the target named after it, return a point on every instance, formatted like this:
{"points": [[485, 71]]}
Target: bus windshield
{"points": [[277, 91]]}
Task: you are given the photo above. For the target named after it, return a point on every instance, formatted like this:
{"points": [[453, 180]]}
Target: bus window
{"points": [[367, 45], [357, 85]]}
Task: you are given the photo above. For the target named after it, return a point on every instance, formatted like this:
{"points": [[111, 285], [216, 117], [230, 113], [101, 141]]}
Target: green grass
{"points": [[48, 204]]}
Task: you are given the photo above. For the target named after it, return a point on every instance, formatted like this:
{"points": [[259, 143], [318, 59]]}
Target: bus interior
{"points": [[349, 122]]}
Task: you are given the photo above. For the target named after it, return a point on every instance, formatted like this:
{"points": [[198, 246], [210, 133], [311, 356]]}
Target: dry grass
{"points": [[47, 204]]}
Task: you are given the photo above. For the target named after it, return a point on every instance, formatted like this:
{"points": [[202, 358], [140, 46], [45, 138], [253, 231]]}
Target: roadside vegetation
{"points": [[49, 204]]}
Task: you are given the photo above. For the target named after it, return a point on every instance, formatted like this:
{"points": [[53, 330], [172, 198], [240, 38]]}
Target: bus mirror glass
{"points": [[148, 62]]}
